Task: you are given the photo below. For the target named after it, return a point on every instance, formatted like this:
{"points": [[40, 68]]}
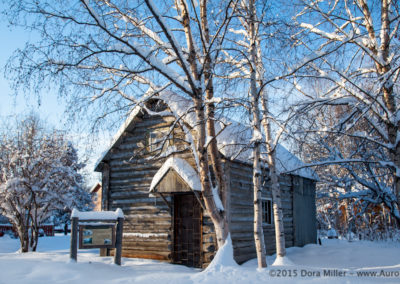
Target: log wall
{"points": [[242, 216]]}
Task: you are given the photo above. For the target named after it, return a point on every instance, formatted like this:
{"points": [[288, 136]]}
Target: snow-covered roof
{"points": [[233, 141], [183, 169]]}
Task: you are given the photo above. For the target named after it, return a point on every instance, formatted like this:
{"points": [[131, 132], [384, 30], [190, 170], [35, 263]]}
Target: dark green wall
{"points": [[304, 218]]}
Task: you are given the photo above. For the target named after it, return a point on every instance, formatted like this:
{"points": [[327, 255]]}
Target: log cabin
{"points": [[149, 171]]}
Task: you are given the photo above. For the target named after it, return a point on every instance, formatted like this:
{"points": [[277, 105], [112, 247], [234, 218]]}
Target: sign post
{"points": [[118, 242], [97, 230], [74, 239]]}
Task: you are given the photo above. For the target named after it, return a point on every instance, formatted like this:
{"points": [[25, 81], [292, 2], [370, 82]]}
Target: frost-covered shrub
{"points": [[39, 174]]}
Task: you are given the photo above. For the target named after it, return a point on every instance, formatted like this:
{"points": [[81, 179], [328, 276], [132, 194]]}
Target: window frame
{"points": [[150, 141], [153, 139], [264, 208]]}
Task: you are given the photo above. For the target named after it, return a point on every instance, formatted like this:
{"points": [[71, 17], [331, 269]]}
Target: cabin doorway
{"points": [[187, 230]]}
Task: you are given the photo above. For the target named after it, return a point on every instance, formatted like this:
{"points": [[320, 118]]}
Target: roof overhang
{"points": [[175, 173]]}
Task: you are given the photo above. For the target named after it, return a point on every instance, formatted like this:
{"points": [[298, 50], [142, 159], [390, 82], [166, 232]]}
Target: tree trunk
{"points": [[349, 215], [258, 228], [34, 238], [210, 112], [25, 242], [22, 228], [205, 124], [349, 220], [23, 236], [393, 130], [276, 191], [257, 189], [217, 217], [195, 78], [396, 161], [31, 237]]}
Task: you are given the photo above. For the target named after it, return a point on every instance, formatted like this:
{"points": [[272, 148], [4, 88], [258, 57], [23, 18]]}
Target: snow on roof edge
{"points": [[97, 215], [183, 169]]}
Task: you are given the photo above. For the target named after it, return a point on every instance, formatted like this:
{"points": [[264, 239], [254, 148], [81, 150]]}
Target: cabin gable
{"points": [[171, 183]]}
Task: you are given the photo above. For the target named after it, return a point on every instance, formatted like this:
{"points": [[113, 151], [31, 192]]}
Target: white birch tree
{"points": [[251, 66]]}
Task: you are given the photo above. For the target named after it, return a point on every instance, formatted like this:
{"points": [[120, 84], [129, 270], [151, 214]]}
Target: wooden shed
{"points": [[153, 179], [95, 194]]}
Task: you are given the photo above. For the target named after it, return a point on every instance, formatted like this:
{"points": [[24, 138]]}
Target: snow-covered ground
{"points": [[336, 261]]}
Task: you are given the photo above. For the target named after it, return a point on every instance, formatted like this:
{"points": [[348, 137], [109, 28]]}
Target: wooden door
{"points": [[187, 230]]}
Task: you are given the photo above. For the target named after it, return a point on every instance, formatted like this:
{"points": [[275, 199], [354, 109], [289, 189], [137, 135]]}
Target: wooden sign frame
{"points": [[115, 223], [82, 245]]}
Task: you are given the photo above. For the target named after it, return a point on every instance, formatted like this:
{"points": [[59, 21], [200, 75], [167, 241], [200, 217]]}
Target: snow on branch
{"points": [[174, 43], [217, 200], [331, 36]]}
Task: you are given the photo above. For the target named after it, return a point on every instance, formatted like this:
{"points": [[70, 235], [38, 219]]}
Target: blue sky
{"points": [[50, 108]]}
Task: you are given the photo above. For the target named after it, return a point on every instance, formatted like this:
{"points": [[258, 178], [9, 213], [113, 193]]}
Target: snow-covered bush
{"points": [[39, 174]]}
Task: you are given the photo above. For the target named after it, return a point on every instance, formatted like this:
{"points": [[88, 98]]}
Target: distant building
{"points": [[95, 192]]}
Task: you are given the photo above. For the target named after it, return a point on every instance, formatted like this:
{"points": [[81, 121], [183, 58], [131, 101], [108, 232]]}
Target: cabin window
{"points": [[151, 141], [156, 139], [266, 211], [156, 105]]}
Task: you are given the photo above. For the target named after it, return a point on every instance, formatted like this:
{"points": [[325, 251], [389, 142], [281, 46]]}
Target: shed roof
{"points": [[95, 187], [233, 141]]}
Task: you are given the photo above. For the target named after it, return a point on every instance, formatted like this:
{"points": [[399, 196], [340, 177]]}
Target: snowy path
{"points": [[51, 265]]}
